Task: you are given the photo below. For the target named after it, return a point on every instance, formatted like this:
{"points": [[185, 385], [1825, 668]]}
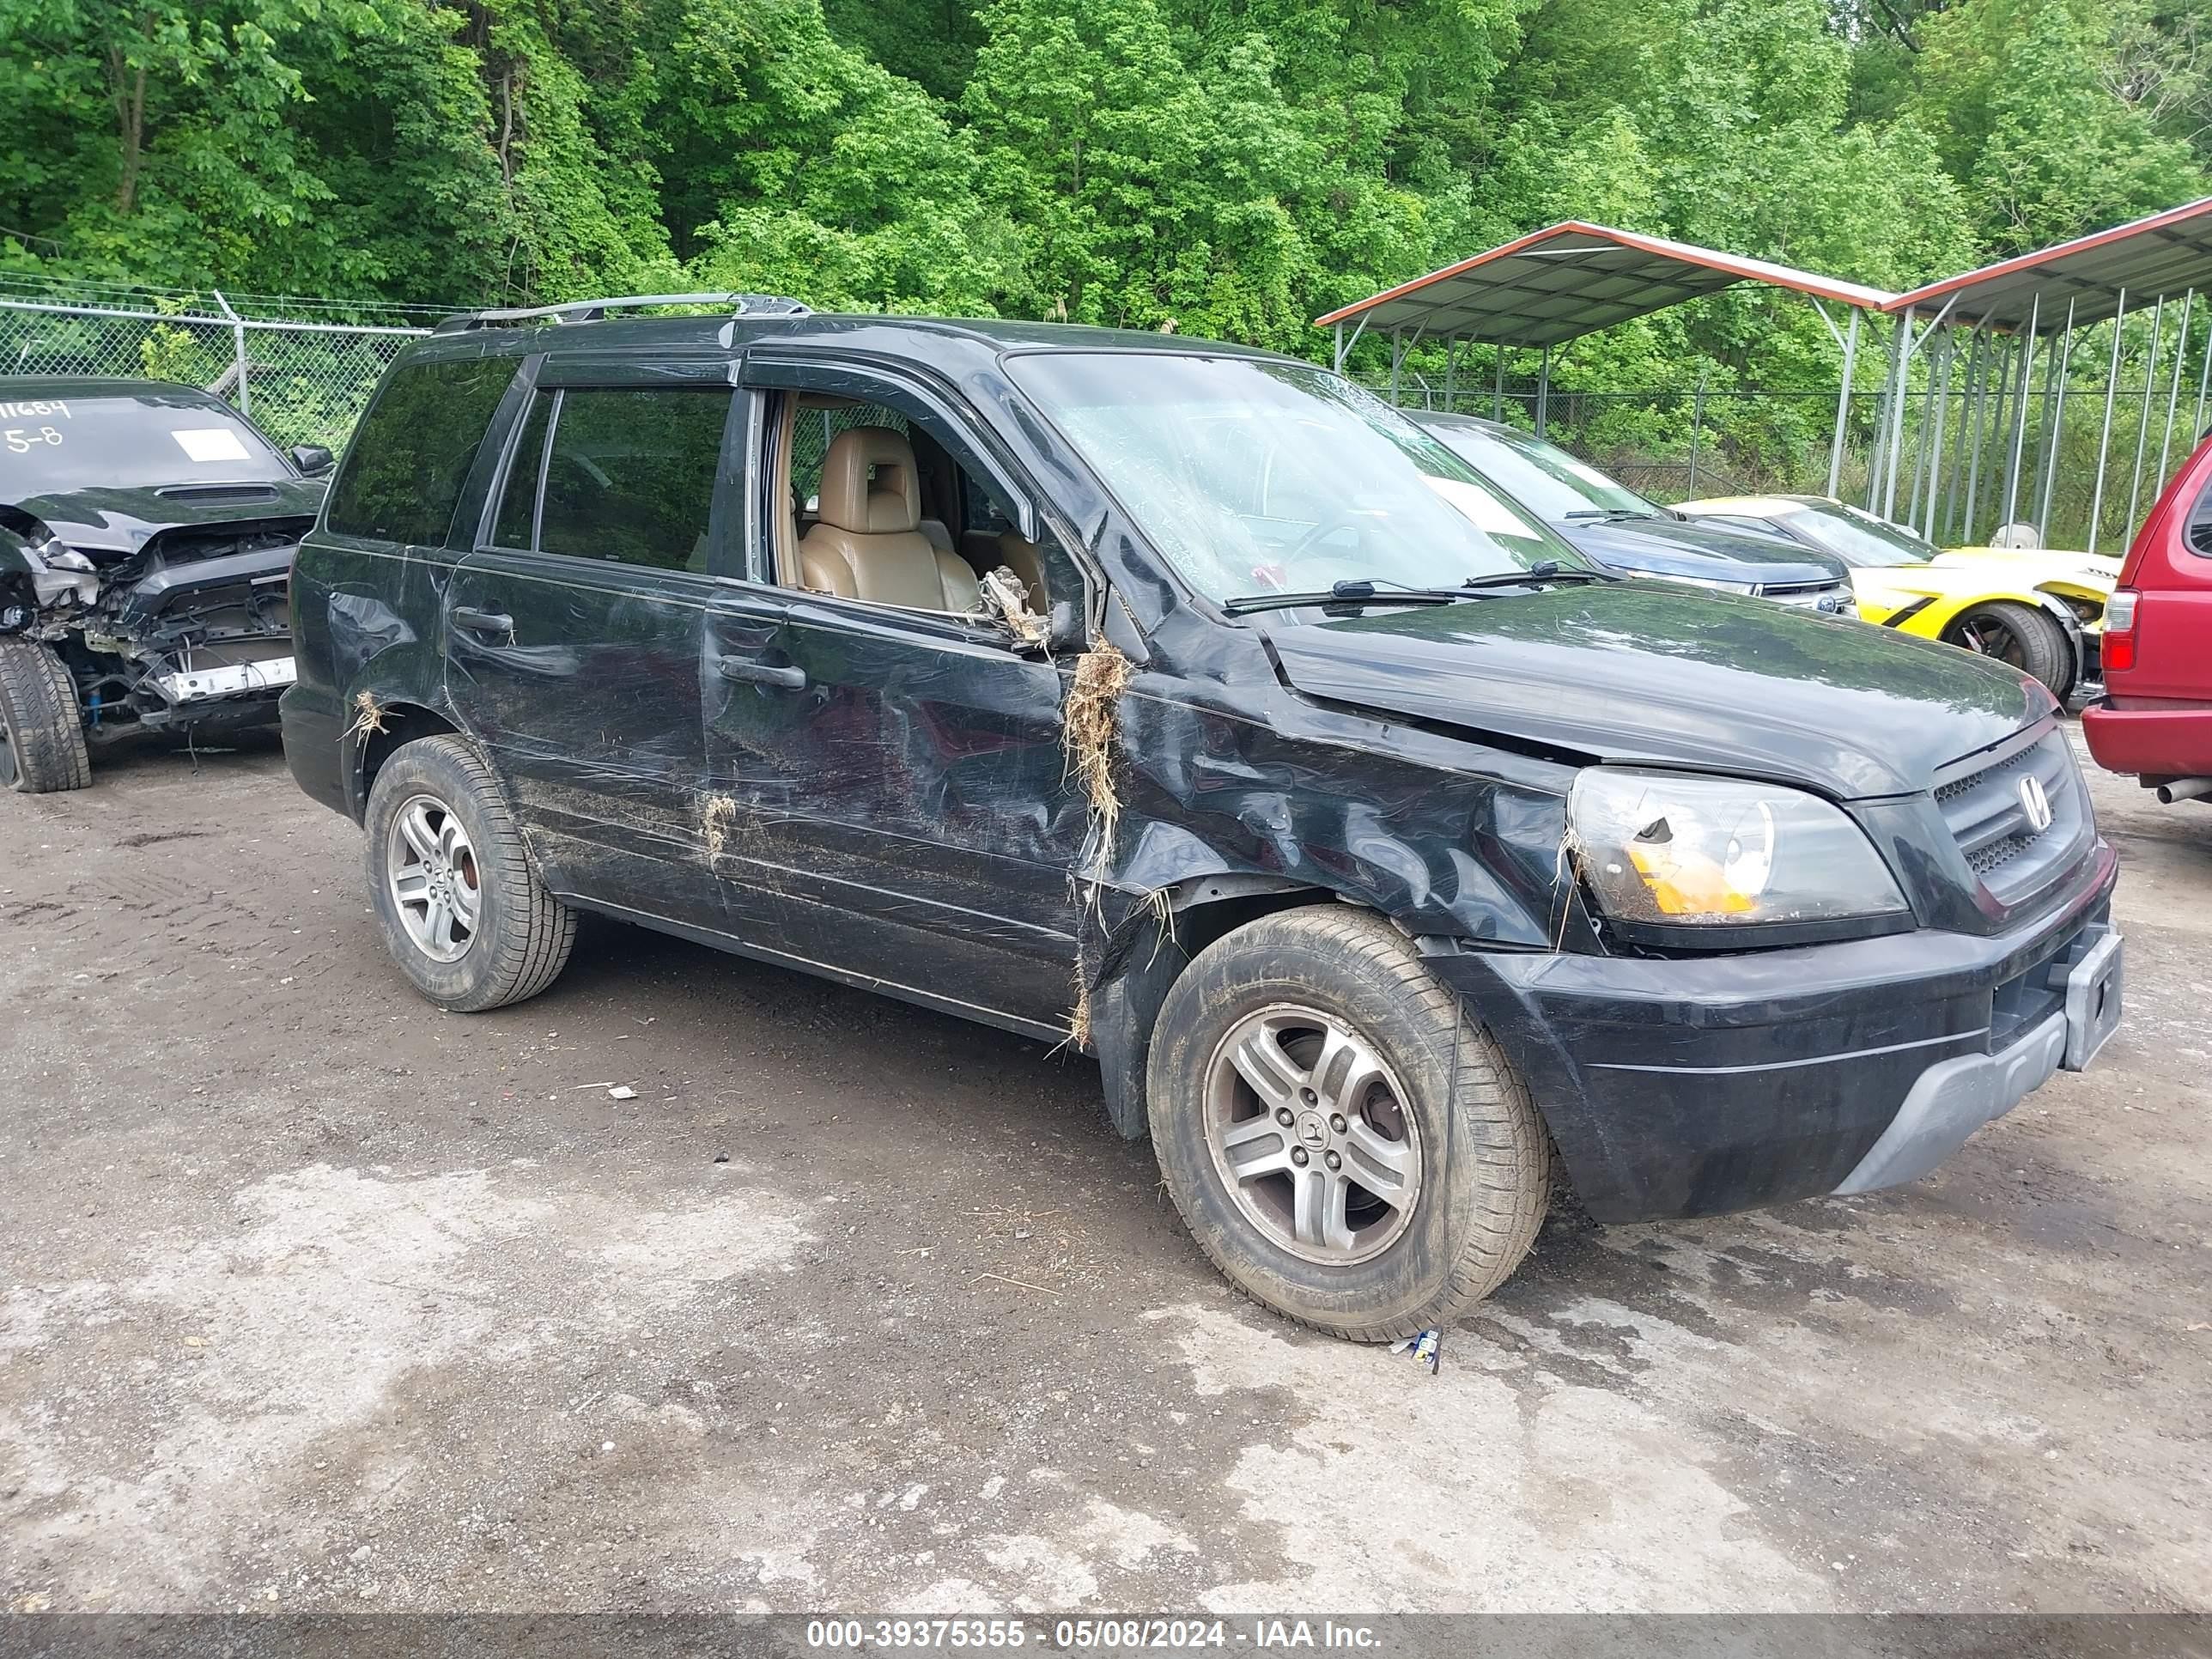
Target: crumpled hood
{"points": [[116, 520], [2089, 572], [1676, 547], [1641, 672], [1883, 590]]}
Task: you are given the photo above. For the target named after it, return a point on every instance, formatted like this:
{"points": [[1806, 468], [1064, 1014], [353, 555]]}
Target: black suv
{"points": [[146, 538], [1189, 704]]}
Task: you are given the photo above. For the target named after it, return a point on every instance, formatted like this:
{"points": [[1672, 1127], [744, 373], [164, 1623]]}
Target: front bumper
{"points": [[2162, 740], [1694, 1086]]}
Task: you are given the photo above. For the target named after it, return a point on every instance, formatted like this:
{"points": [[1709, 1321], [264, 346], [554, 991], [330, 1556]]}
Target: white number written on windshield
{"points": [[22, 440]]}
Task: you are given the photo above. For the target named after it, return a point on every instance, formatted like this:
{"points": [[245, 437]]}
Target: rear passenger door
{"points": [[573, 628]]}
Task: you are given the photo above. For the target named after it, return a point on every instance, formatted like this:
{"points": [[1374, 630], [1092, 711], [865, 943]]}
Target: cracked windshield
{"points": [[1254, 477]]}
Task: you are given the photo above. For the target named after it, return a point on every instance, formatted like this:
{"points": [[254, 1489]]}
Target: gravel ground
{"points": [[315, 1298]]}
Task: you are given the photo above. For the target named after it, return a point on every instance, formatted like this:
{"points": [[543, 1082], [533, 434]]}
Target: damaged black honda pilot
{"points": [[146, 538], [1188, 704]]}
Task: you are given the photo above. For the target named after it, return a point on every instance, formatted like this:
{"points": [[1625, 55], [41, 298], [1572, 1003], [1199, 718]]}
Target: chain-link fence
{"points": [[302, 379]]}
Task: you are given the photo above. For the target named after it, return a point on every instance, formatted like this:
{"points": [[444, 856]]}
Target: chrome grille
{"points": [[1813, 596], [1987, 810]]}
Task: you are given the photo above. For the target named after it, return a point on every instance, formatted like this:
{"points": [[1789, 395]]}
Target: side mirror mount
{"points": [[312, 459]]}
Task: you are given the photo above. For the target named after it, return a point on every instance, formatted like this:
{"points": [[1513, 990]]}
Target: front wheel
{"points": [[2022, 636], [1344, 1143], [461, 908], [42, 745]]}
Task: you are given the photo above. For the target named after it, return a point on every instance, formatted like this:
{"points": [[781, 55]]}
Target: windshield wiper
{"points": [[1361, 592], [1347, 592], [1610, 513], [1545, 570]]}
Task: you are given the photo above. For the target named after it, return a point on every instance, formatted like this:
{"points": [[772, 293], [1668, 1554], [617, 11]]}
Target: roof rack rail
{"points": [[591, 311]]}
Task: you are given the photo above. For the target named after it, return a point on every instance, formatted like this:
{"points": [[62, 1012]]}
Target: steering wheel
{"points": [[1353, 518]]}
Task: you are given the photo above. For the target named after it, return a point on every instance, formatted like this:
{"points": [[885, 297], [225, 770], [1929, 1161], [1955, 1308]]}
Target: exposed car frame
{"points": [[154, 605], [2041, 612]]}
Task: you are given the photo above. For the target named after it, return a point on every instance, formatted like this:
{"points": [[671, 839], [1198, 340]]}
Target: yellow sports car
{"points": [[2042, 612]]}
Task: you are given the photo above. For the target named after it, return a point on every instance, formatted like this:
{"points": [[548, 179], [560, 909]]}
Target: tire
{"points": [[517, 938], [42, 746], [1479, 1156], [2040, 650]]}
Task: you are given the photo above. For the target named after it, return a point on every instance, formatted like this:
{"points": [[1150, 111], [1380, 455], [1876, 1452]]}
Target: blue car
{"points": [[1623, 531]]}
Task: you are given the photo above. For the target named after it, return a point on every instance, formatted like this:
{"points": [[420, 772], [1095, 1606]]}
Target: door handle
{"points": [[760, 673], [483, 622]]}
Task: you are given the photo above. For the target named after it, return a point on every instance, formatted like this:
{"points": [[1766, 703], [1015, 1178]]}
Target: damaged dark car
{"points": [[146, 539], [1191, 707]]}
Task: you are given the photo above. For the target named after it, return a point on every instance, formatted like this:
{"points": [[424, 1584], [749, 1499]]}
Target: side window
{"points": [[630, 476], [979, 513], [517, 524], [2198, 534], [884, 506], [411, 453]]}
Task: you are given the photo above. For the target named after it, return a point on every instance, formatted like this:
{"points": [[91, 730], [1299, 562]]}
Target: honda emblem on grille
{"points": [[2035, 804]]}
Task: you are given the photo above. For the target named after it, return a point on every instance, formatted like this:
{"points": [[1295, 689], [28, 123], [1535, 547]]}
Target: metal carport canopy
{"points": [[1572, 279], [2080, 282]]}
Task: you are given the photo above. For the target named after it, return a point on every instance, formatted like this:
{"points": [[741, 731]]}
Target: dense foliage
{"points": [[1228, 167]]}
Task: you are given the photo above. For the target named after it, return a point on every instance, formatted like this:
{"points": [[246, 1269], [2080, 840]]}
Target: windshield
{"points": [[1253, 478], [1542, 476], [153, 437], [1858, 538]]}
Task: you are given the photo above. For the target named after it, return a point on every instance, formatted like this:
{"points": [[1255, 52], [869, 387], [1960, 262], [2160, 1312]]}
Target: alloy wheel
{"points": [[432, 872], [1987, 636], [1310, 1135]]}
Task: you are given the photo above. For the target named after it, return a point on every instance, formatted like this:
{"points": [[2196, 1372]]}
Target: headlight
{"points": [[1667, 849], [1705, 581]]}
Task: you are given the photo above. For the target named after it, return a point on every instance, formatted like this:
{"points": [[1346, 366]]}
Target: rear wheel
{"points": [[42, 744], [2022, 636], [1346, 1145], [461, 908]]}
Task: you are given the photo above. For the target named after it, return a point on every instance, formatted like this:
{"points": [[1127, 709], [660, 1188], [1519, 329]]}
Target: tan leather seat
{"points": [[934, 532], [1023, 558], [867, 543]]}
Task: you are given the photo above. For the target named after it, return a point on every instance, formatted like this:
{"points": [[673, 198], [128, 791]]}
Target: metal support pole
{"points": [[1397, 357], [1498, 385], [2020, 408], [1843, 405], [2142, 421], [2174, 391], [1451, 366], [1879, 454], [1976, 362], [2057, 422], [2204, 383], [1903, 360], [1339, 364], [1986, 420], [1544, 394], [1697, 428], [1922, 450], [2105, 438], [238, 355], [1940, 405]]}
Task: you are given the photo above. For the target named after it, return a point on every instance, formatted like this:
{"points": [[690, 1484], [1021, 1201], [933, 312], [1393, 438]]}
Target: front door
{"points": [[894, 799], [574, 631]]}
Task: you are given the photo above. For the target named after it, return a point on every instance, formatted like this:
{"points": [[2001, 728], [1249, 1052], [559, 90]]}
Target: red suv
{"points": [[2155, 718]]}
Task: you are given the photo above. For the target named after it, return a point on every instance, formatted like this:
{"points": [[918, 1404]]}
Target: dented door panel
{"points": [[582, 681], [899, 809]]}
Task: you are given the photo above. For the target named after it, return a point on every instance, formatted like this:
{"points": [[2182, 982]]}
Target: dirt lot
{"points": [[315, 1297]]}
